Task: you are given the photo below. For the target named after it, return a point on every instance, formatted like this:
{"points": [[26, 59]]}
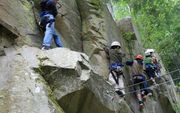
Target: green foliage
{"points": [[177, 107], [158, 22], [128, 35], [121, 9]]}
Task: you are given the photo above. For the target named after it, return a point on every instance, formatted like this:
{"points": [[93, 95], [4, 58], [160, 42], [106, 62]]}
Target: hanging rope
{"points": [[157, 85], [145, 88], [150, 79], [130, 86]]}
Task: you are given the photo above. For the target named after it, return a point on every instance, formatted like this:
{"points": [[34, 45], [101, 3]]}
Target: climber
{"points": [[156, 63], [149, 66], [136, 68], [47, 15], [115, 55]]}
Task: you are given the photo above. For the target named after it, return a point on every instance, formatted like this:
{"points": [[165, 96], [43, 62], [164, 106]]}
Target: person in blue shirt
{"points": [[48, 14]]}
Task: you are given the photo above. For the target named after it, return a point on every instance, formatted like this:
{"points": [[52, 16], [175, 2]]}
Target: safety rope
{"points": [[150, 79], [157, 85], [144, 89]]}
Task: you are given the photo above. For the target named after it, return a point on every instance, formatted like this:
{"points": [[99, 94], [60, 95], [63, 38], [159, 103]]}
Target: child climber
{"points": [[136, 67], [116, 75], [149, 66]]}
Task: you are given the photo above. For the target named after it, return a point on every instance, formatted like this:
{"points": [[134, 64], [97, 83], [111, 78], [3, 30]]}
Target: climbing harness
{"points": [[115, 77]]}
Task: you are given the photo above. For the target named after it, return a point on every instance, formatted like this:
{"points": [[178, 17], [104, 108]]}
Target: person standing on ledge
{"points": [[47, 15]]}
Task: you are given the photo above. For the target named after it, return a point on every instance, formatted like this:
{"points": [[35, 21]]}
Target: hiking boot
{"points": [[60, 46], [45, 48], [141, 105], [120, 93]]}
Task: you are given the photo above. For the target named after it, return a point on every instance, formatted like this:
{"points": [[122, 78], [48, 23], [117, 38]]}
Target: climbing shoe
{"points": [[120, 93], [45, 48], [141, 105]]}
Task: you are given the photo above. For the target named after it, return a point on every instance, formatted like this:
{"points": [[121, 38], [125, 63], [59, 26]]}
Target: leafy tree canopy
{"points": [[159, 26]]}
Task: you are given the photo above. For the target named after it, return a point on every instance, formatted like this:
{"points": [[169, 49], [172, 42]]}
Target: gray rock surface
{"points": [[68, 23], [98, 31], [21, 89], [63, 69], [61, 80]]}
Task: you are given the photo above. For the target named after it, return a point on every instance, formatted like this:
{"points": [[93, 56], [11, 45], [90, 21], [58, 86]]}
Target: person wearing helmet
{"points": [[157, 65], [136, 68], [115, 56], [149, 66]]}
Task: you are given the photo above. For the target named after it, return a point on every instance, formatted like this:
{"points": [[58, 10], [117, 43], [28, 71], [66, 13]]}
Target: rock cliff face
{"points": [[62, 80]]}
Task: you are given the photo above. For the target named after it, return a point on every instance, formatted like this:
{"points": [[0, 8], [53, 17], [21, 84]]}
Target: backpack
{"points": [[43, 19]]}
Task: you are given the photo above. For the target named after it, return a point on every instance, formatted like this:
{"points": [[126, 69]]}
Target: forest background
{"points": [[158, 22]]}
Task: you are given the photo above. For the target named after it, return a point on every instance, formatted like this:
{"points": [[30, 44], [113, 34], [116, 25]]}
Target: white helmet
{"points": [[149, 51], [115, 43]]}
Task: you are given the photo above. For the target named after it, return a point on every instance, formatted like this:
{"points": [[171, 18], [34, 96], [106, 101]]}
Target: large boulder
{"points": [[63, 69], [32, 80], [21, 89], [68, 74]]}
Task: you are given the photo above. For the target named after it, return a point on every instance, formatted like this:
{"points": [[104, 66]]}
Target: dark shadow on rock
{"points": [[82, 101], [7, 39]]}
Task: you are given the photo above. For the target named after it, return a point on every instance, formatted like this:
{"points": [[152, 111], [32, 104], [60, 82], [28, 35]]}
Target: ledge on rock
{"points": [[63, 69]]}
